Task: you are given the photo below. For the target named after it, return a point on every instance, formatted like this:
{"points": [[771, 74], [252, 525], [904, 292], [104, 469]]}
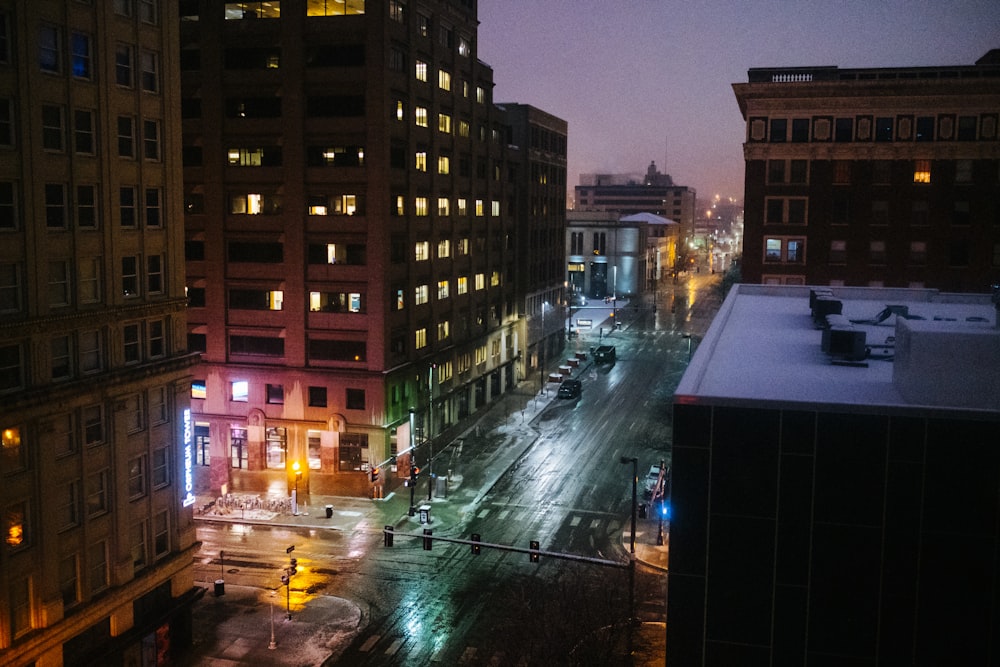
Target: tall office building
{"points": [[350, 244], [879, 176], [96, 558], [537, 172]]}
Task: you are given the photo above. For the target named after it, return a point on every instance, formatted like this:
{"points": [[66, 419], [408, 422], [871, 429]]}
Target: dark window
{"points": [[800, 130], [883, 129], [197, 342], [190, 59], [967, 128], [257, 345], [779, 130], [55, 205], [775, 211], [397, 156], [248, 251], [191, 156], [337, 350], [194, 203], [317, 397], [844, 130], [275, 393], [191, 107], [335, 156], [253, 107], [960, 214], [252, 57], [335, 106], [775, 171], [355, 399], [194, 251], [799, 172], [196, 297], [796, 211], [336, 55], [250, 299], [958, 253], [925, 128]]}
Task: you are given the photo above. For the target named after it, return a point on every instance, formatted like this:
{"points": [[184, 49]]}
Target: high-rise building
{"points": [[350, 244], [537, 174], [870, 177], [835, 479], [96, 557]]}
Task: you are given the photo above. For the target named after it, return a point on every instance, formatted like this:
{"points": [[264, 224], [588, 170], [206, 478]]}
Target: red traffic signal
{"points": [[475, 547], [533, 556]]}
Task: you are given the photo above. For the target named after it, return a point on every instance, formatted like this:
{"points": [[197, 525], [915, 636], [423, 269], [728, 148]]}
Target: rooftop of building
{"points": [[881, 349]]}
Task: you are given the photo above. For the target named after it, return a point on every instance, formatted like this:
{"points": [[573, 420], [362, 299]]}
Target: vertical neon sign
{"points": [[188, 460]]}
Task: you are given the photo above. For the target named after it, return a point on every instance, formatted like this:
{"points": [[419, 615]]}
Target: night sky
{"points": [[642, 80]]}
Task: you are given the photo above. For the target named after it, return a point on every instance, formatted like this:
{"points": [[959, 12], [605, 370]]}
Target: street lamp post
{"points": [[541, 350], [631, 560], [413, 460]]}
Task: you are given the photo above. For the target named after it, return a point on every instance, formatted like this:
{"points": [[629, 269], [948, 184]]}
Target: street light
{"points": [[631, 561], [541, 349], [295, 491]]}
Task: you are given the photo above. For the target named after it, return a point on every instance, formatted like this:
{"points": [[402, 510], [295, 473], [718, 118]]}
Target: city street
{"points": [[536, 468]]}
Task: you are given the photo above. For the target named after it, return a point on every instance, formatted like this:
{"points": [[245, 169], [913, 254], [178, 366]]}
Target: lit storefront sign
{"points": [[188, 459]]}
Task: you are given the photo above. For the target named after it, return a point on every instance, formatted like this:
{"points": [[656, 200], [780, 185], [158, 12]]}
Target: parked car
{"points": [[653, 477], [569, 389]]}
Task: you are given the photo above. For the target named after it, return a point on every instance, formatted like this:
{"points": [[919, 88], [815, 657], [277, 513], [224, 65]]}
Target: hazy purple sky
{"points": [[641, 80]]}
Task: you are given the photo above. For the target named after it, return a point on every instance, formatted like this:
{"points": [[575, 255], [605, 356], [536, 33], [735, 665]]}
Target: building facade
{"points": [[625, 194], [537, 172], [836, 471], [350, 243], [606, 254], [873, 176], [98, 539]]}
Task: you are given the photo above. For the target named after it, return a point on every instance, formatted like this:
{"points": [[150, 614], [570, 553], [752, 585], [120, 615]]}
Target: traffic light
{"points": [[475, 547], [293, 565], [374, 475], [533, 545], [284, 579], [427, 539], [387, 536]]}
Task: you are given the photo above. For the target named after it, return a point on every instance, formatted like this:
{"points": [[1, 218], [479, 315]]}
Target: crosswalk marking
{"points": [[575, 522], [369, 643], [394, 647]]}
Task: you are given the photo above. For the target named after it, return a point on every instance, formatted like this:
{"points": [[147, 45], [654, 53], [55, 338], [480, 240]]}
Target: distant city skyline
{"points": [[647, 80]]}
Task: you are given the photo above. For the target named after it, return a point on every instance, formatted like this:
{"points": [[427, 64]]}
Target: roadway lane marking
{"points": [[575, 522], [394, 647], [369, 643], [503, 514], [483, 513]]}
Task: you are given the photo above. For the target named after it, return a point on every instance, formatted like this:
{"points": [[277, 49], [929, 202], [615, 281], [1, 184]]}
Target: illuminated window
{"points": [[463, 206], [462, 247], [442, 330], [420, 113], [481, 354], [922, 171], [444, 80], [240, 391], [421, 162], [421, 251], [463, 129], [480, 95], [442, 289], [420, 338], [444, 207], [420, 206], [400, 110], [444, 123], [198, 389], [480, 281], [445, 371], [421, 70], [396, 10], [463, 284], [772, 250], [444, 248], [444, 164], [495, 208], [494, 278], [15, 526], [420, 294], [480, 211], [464, 47], [400, 207], [13, 454]]}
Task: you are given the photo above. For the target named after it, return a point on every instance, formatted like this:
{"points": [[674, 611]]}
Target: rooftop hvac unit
{"points": [[844, 343], [826, 306]]}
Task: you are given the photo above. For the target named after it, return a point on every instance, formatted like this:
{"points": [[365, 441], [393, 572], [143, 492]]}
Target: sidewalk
{"points": [[233, 629]]}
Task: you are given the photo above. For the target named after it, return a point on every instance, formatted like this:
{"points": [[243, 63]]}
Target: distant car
{"points": [[569, 389], [578, 300]]}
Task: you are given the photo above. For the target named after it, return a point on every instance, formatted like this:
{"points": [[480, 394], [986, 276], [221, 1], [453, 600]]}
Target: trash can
{"points": [[329, 511], [220, 587], [425, 514]]}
